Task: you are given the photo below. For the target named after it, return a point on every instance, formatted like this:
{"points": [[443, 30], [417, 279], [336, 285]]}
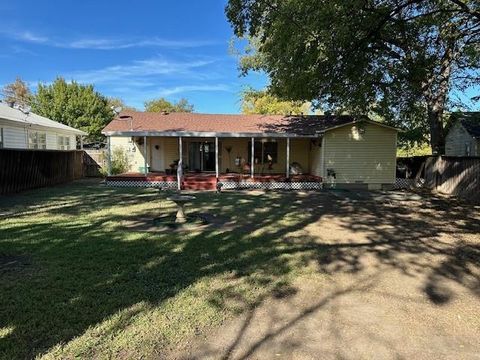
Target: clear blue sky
{"points": [[136, 50]]}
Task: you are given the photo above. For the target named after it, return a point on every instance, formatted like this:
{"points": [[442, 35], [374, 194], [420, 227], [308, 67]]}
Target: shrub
{"points": [[120, 162]]}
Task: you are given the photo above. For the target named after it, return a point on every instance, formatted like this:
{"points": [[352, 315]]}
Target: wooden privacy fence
{"points": [[27, 169], [453, 175], [93, 161]]}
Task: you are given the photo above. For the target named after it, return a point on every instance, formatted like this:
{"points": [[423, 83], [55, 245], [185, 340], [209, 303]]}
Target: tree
{"points": [[162, 104], [17, 92], [75, 105], [402, 59], [114, 102], [262, 102]]}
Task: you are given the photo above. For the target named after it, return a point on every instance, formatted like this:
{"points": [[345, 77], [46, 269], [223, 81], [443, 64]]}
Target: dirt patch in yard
{"points": [[397, 275]]}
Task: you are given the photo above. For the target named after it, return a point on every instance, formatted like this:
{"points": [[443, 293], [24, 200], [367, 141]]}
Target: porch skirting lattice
{"points": [[273, 185], [142, 183]]}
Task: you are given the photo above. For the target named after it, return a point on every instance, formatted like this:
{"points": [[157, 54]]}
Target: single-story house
{"points": [[22, 129], [463, 137], [286, 151]]}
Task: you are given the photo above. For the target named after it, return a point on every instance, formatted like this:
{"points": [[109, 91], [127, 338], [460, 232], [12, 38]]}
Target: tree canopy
{"points": [[404, 60], [17, 92], [262, 102], [162, 104], [75, 105], [114, 102]]}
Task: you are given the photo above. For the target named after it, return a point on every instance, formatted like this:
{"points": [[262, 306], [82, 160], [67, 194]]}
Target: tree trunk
{"points": [[437, 135]]}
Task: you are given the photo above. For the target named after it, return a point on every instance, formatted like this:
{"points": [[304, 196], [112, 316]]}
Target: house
{"points": [[286, 151], [22, 129], [463, 137]]}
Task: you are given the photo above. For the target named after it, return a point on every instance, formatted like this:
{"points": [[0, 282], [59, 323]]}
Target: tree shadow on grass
{"points": [[86, 267]]}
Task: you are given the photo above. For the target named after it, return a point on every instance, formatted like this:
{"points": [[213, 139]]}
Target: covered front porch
{"points": [[212, 162]]}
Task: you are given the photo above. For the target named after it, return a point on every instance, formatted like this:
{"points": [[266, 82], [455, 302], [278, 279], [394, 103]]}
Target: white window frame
{"points": [[37, 140], [63, 142]]}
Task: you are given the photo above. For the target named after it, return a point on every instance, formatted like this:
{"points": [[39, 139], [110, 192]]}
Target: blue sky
{"points": [[133, 50]]}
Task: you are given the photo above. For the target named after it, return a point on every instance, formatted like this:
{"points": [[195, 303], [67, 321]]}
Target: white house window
{"points": [[37, 140], [63, 142]]}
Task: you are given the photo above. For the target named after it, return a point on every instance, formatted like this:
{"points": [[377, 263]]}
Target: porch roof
{"points": [[133, 123]]}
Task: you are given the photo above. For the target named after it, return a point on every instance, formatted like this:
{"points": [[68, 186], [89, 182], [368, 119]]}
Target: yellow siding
{"points": [[300, 153], [171, 151], [316, 158], [357, 157], [133, 150]]}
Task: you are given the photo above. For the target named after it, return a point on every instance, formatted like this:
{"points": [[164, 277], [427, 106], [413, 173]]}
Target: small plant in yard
{"points": [[120, 162]]}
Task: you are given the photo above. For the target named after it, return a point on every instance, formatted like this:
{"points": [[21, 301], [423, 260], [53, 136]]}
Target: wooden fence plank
{"points": [[26, 169]]}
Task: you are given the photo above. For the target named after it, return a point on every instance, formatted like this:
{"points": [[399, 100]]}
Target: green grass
{"points": [[75, 282]]}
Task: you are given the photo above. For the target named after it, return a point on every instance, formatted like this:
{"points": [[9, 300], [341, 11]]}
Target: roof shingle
{"points": [[219, 123]]}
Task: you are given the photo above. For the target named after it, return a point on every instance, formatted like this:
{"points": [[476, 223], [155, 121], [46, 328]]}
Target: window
{"points": [[263, 152], [37, 140], [63, 142]]}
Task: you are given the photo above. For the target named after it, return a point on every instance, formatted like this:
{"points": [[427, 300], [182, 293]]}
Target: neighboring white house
{"points": [[463, 137], [20, 129]]}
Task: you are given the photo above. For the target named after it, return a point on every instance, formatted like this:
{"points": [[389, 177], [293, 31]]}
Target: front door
{"points": [[201, 156]]}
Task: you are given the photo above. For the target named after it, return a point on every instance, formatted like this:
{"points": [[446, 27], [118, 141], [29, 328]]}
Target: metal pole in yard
{"points": [[217, 170], [288, 157], [109, 156], [252, 158], [180, 163], [145, 170]]}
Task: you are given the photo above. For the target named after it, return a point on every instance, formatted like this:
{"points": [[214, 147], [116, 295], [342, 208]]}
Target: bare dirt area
{"points": [[394, 275]]}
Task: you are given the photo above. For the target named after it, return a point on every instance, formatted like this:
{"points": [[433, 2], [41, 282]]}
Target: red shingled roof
{"points": [[219, 123]]}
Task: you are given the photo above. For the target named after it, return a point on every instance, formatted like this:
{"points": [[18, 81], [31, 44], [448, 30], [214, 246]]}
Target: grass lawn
{"points": [[78, 280]]}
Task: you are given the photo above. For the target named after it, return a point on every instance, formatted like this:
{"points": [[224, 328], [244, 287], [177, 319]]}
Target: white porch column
{"points": [[109, 156], [217, 170], [322, 158], [180, 163], [288, 158], [252, 159], [145, 170], [81, 142]]}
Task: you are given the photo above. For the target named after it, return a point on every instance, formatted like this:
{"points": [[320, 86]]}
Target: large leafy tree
{"points": [[75, 105], [116, 102], [406, 60], [17, 93], [162, 104], [262, 102]]}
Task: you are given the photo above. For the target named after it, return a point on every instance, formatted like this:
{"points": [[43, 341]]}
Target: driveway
{"points": [[397, 276]]}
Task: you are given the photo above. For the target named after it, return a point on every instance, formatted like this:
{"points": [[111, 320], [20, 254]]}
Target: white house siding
{"points": [[51, 141], [457, 141], [14, 137], [361, 155]]}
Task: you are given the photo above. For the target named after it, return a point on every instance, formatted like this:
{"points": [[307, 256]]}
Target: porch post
{"points": [[252, 159], [288, 157], [217, 171], [109, 156], [81, 142], [180, 163], [145, 169]]}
